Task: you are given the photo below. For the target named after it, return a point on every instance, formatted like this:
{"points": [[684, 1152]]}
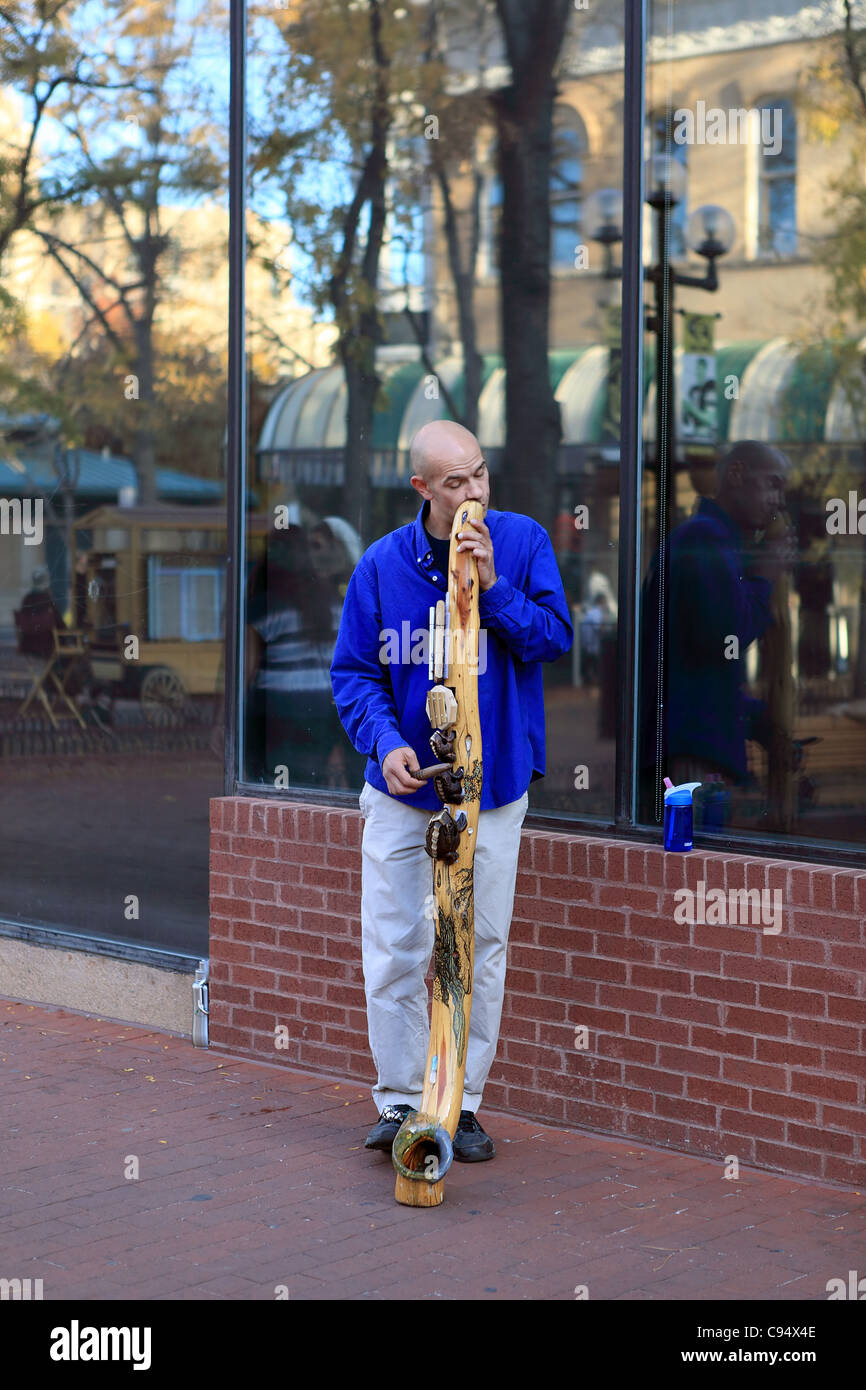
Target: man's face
{"points": [[762, 493], [451, 481]]}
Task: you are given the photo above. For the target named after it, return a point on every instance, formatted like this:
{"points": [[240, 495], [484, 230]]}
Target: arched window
{"points": [[777, 178], [566, 177], [660, 140]]}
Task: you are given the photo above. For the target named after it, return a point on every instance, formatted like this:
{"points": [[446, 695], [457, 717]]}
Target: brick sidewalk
{"points": [[253, 1176]]}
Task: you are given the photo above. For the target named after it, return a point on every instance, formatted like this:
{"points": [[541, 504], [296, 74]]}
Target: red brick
{"points": [[232, 908], [785, 1106], [275, 914], [785, 1158], [615, 871], [729, 991], [845, 1010], [741, 1122], [759, 1022], [277, 871], [654, 1079], [254, 931], [678, 1108], [559, 856], [256, 849], [715, 1092], [229, 994], [843, 1171], [822, 1034], [254, 888], [641, 1001], [794, 1001], [691, 958], [849, 957], [758, 968], [717, 1040], [825, 926], [249, 975], [667, 1132], [232, 951], [635, 899], [824, 1087], [786, 1053], [754, 1073], [568, 890], [620, 947], [600, 968], [578, 858], [658, 928], [692, 1010], [658, 1030], [793, 948], [822, 1140], [631, 1050], [689, 1062], [626, 1097], [849, 1121]]}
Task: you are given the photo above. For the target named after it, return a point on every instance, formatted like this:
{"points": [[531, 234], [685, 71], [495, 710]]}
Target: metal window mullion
{"points": [[630, 418], [237, 396]]}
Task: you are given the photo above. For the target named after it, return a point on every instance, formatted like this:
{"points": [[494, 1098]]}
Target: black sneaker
{"points": [[384, 1131], [471, 1144]]}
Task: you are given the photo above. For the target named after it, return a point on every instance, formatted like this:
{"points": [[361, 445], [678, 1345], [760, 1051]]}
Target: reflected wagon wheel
{"points": [[163, 697]]}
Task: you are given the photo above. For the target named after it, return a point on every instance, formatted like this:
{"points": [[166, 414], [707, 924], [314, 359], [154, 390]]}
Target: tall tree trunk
{"points": [[359, 323], [524, 120]]}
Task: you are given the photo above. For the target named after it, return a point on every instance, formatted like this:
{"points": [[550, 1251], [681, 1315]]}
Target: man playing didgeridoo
{"points": [[380, 684]]}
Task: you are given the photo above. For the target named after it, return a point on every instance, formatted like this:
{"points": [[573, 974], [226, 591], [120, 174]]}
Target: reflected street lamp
{"points": [[710, 235]]}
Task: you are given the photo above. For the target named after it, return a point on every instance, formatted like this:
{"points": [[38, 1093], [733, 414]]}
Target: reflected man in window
{"points": [[718, 602]]}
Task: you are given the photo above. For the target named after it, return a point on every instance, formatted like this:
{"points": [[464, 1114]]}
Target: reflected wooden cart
{"points": [[150, 592]]}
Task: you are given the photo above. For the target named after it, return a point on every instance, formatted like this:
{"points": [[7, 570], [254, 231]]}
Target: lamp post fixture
{"points": [[709, 234]]}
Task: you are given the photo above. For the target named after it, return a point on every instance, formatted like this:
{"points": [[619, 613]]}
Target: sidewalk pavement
{"points": [[254, 1177]]}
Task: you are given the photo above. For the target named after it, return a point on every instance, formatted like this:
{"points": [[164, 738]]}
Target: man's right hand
{"points": [[397, 779]]}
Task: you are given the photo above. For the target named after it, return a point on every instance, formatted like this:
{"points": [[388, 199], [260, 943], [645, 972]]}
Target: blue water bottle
{"points": [[678, 815]]}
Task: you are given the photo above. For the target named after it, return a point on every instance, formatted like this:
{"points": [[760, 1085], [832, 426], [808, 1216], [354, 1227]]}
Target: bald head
{"points": [[442, 443], [448, 468], [752, 480]]}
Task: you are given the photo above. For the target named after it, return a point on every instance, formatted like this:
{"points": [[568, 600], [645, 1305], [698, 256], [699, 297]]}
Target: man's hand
{"points": [[478, 542], [397, 779]]}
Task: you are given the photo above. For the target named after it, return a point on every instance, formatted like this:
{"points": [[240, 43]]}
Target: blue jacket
{"points": [[711, 598], [382, 703]]}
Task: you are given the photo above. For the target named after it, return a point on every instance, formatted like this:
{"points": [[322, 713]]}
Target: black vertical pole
{"points": [[630, 419], [236, 423]]}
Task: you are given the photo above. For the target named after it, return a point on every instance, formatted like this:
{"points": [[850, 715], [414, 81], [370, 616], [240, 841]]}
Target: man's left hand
{"points": [[479, 544]]}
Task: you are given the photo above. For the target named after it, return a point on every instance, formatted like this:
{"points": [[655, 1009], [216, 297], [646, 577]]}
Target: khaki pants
{"points": [[397, 933]]}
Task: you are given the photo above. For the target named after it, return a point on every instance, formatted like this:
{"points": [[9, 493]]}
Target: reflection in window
{"points": [[777, 179], [184, 603], [569, 148], [660, 127]]}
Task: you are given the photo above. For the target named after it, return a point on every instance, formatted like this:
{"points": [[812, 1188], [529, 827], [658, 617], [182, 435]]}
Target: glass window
{"points": [[662, 139], [752, 620], [113, 322], [777, 173], [528, 360], [565, 187]]}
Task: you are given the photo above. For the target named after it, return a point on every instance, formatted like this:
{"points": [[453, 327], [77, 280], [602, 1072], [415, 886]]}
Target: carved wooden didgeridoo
{"points": [[423, 1151]]}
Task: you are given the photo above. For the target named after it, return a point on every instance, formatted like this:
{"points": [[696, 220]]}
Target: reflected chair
{"points": [[49, 684]]}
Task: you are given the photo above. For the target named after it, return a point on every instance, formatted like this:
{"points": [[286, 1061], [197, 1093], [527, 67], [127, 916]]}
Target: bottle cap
{"points": [[681, 795]]}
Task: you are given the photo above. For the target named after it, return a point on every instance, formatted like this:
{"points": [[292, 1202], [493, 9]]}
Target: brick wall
{"points": [[714, 1039]]}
